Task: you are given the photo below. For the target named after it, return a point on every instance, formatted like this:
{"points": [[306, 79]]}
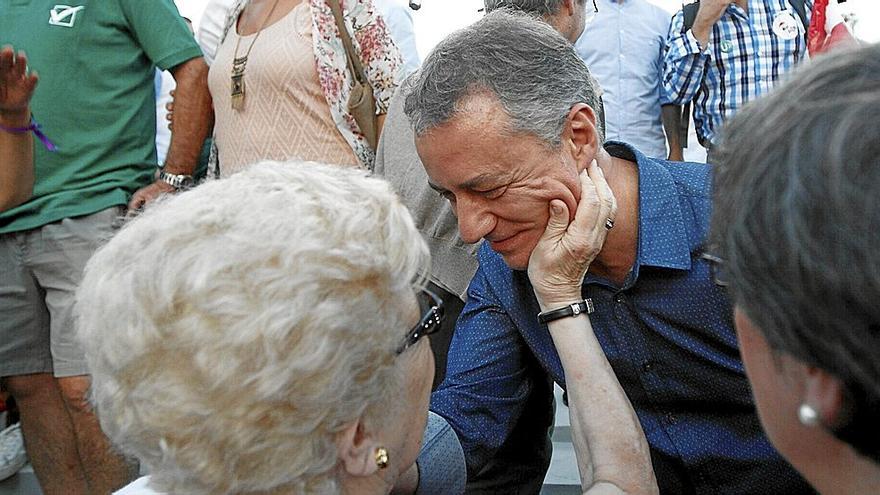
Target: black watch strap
{"points": [[585, 306]]}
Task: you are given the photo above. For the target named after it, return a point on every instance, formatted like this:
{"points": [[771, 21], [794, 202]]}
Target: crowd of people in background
{"points": [[235, 298]]}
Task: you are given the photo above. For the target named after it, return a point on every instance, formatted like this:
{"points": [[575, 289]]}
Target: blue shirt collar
{"points": [[663, 238]]}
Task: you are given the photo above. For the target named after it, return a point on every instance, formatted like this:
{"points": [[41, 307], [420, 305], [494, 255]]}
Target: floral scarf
{"points": [[379, 55]]}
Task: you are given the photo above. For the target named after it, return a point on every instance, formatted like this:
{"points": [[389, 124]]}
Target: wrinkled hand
{"points": [[147, 194], [16, 83], [563, 255]]}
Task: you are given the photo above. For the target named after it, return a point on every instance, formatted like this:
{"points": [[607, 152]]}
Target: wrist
{"points": [[701, 35], [575, 309], [177, 169], [175, 182], [15, 118]]}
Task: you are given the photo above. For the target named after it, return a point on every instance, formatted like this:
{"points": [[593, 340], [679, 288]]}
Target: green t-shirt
{"points": [[96, 61]]}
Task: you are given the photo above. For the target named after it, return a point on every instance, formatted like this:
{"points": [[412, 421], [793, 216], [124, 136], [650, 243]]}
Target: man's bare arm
{"points": [[16, 148], [672, 125], [193, 118]]}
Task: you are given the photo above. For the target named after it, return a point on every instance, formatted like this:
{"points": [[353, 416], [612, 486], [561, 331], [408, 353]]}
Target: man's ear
{"points": [[580, 135], [568, 7], [357, 450], [826, 394]]}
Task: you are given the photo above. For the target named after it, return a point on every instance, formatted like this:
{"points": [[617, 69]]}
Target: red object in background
{"points": [[816, 36], [821, 37]]}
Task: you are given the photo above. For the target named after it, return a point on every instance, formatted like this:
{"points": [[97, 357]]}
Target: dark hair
{"points": [[797, 217]]}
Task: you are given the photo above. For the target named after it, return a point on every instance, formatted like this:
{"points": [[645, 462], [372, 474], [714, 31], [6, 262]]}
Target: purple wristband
{"points": [[35, 128]]}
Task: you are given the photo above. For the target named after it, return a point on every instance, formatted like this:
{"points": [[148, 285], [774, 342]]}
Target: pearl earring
{"points": [[808, 416]]}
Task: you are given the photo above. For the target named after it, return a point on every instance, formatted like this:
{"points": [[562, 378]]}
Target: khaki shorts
{"points": [[40, 270]]}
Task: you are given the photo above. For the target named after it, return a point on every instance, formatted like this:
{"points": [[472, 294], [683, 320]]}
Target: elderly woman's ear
{"points": [[825, 394], [357, 450]]}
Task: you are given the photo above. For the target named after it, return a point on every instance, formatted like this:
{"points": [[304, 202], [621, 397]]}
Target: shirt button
{"points": [[618, 298], [647, 366], [670, 418]]}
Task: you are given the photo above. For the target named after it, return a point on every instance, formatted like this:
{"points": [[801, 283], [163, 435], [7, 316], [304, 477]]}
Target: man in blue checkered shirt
{"points": [[734, 52]]}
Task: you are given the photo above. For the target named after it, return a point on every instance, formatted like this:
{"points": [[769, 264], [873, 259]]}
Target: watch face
{"points": [[177, 181]]}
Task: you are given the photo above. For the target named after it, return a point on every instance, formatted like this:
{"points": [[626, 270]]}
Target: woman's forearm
{"points": [[611, 449]]}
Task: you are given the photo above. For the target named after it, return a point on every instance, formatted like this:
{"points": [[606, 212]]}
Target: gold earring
{"points": [[382, 458]]}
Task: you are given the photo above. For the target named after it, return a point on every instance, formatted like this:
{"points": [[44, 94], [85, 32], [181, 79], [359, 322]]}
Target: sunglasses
{"points": [[431, 307]]}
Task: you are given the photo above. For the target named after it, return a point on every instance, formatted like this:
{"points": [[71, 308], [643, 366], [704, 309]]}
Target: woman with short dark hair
{"points": [[797, 227]]}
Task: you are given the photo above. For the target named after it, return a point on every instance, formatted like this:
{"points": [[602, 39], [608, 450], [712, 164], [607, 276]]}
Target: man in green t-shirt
{"points": [[95, 101]]}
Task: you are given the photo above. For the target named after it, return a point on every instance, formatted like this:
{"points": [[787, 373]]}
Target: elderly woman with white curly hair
{"points": [[260, 335]]}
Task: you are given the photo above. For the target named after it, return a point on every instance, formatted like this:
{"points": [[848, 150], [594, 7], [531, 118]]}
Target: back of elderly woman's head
{"points": [[232, 330], [797, 218]]}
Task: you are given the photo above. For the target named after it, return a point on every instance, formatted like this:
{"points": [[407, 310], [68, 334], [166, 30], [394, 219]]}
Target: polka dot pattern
{"points": [[668, 333]]}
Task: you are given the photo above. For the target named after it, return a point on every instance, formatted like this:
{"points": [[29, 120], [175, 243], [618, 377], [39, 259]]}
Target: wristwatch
{"points": [[585, 306], [178, 182]]}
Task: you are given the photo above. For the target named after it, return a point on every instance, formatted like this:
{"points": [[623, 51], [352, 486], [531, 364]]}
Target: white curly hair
{"points": [[232, 330]]}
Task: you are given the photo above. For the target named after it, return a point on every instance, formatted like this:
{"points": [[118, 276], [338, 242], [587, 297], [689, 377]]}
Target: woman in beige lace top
{"points": [[296, 84]]}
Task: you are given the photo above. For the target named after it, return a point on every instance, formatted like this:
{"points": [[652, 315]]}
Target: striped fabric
{"points": [[743, 60]]}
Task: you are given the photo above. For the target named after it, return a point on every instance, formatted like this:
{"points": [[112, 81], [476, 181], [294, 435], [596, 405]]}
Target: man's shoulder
{"points": [[657, 14], [692, 178]]}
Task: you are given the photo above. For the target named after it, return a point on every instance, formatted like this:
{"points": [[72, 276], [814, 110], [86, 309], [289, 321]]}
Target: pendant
{"points": [[238, 88]]}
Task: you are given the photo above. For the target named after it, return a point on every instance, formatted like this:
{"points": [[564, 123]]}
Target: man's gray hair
{"points": [[532, 70]]}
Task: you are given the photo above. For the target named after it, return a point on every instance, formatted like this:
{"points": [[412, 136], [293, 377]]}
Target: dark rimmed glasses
{"points": [[717, 269], [431, 308]]}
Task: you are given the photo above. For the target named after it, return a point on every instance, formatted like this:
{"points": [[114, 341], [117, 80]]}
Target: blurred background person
{"points": [[17, 86], [796, 223], [265, 337], [212, 22], [720, 54], [454, 262], [281, 82], [623, 48], [398, 17], [103, 121], [16, 140]]}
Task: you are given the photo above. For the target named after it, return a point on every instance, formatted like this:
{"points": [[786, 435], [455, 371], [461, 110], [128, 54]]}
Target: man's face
{"points": [[499, 185]]}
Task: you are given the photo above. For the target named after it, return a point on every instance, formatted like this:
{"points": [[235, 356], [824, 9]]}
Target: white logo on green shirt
{"points": [[63, 15]]}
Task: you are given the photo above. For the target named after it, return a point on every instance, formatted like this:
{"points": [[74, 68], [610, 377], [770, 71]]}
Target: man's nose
{"points": [[474, 221]]}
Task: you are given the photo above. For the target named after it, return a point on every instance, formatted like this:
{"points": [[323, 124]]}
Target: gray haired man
{"points": [[453, 262], [504, 122]]}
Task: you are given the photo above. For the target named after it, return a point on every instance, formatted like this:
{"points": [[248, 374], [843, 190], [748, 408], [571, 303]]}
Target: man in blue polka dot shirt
{"points": [[503, 113]]}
